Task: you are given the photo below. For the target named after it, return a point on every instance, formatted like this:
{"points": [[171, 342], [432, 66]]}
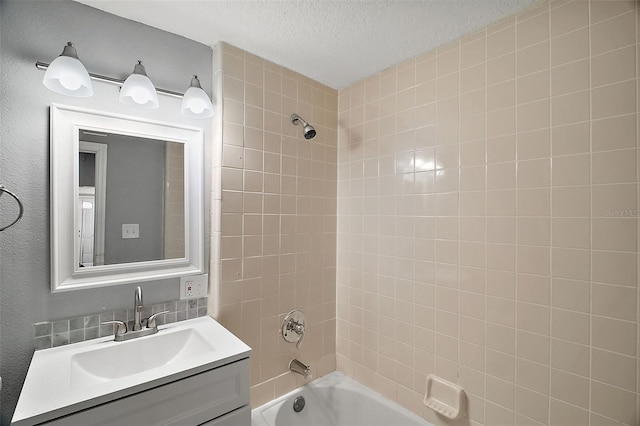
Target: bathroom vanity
{"points": [[190, 373]]}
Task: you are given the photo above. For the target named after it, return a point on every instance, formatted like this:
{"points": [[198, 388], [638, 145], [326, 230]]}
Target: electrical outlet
{"points": [[194, 286], [130, 230]]}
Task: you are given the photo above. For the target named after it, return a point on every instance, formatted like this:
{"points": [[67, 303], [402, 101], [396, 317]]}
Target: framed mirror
{"points": [[126, 199]]}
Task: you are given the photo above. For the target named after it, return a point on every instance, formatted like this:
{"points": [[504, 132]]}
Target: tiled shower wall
{"points": [[278, 240], [488, 220]]}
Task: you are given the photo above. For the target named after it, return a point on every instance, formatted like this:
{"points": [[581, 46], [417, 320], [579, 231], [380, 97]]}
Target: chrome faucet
{"points": [[137, 309], [300, 368], [123, 334]]}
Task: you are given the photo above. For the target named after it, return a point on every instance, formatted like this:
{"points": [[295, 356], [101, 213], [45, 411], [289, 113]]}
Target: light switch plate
{"points": [[130, 230], [194, 286]]}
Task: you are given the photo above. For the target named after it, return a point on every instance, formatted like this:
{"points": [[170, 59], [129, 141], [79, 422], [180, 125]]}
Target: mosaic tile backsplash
{"points": [[49, 334]]}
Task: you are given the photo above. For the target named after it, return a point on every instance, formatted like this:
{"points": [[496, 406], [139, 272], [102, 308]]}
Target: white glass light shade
{"points": [[138, 89], [196, 103], [66, 75]]}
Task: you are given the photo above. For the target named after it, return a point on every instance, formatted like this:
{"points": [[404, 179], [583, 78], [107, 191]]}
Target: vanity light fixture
{"points": [[67, 76], [138, 89], [72, 79], [196, 103]]}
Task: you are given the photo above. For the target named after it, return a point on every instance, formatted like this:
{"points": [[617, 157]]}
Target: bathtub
{"points": [[334, 400]]}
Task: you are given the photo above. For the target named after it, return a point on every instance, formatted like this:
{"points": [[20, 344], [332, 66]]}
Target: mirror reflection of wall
{"points": [[143, 193]]}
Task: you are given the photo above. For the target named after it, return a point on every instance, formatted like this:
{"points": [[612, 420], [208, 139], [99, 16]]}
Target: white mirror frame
{"points": [[66, 123]]}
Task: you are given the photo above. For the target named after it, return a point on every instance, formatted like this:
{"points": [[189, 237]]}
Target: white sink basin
{"points": [[135, 356], [74, 377]]}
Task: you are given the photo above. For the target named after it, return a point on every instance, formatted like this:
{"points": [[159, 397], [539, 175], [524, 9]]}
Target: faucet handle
{"points": [[122, 326], [151, 321]]}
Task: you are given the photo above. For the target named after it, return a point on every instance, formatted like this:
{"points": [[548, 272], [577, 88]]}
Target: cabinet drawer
{"points": [[240, 417], [190, 401]]}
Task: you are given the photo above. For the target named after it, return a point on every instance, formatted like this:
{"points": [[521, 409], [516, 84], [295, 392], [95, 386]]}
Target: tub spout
{"points": [[300, 368]]}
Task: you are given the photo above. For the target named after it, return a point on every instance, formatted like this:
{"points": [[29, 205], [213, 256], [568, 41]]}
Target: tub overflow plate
{"points": [[298, 404]]}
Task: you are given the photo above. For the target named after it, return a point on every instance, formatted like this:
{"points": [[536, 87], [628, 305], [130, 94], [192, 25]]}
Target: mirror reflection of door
{"points": [[86, 213], [92, 180]]}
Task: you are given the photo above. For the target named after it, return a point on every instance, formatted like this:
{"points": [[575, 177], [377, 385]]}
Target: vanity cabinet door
{"points": [[190, 401]]}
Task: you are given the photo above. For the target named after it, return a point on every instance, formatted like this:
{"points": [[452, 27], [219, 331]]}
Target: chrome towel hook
{"points": [[3, 190]]}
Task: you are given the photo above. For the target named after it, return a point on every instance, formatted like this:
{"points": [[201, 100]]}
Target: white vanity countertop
{"points": [[55, 386]]}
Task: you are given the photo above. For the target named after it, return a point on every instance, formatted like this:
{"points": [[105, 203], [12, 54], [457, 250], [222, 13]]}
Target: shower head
{"points": [[309, 131]]}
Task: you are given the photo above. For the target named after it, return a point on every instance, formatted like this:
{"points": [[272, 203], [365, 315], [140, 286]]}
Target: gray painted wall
{"points": [[135, 194], [36, 31]]}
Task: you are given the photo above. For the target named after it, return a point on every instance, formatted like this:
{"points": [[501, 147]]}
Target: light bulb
{"points": [[138, 89], [196, 103], [67, 76]]}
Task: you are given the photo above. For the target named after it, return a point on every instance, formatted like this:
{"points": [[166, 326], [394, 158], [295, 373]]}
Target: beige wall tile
{"points": [[570, 357], [533, 347], [501, 311], [535, 58], [571, 201], [615, 268], [474, 51], [570, 263], [525, 257], [569, 17], [472, 78], [617, 132], [533, 87], [472, 103], [614, 99], [501, 365], [501, 122], [534, 115], [571, 294], [569, 47], [501, 95], [571, 77], [615, 234], [570, 388], [501, 176], [532, 31], [534, 289], [501, 69], [571, 233], [534, 144], [532, 404], [570, 326], [614, 369], [501, 203], [570, 170], [534, 202], [614, 335], [613, 66], [534, 318], [601, 10], [613, 33], [501, 42], [448, 59], [534, 231], [613, 403], [569, 109], [561, 414], [534, 173], [500, 392], [571, 139]]}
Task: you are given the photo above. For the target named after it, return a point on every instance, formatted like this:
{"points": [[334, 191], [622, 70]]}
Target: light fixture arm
{"points": [[106, 79]]}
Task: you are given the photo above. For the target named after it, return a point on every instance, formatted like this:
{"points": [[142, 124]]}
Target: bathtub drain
{"points": [[298, 404]]}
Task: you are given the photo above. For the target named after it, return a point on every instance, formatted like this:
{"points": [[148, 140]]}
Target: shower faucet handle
{"points": [[293, 328]]}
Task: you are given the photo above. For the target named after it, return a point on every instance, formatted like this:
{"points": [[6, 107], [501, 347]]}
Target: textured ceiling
{"points": [[334, 42]]}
